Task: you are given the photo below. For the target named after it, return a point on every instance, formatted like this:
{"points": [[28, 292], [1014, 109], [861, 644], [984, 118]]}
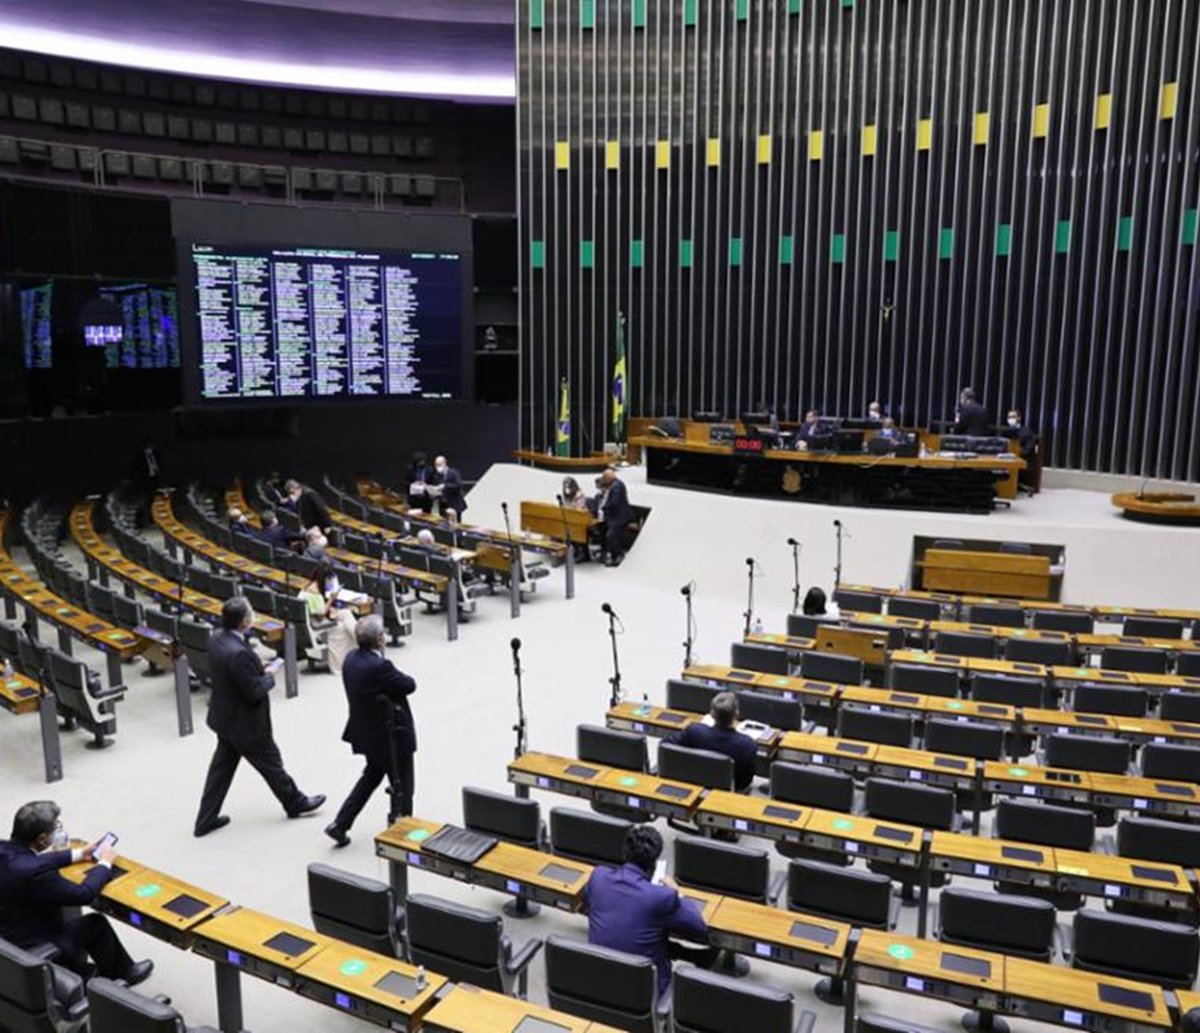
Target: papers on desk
{"points": [[754, 729], [345, 597]]}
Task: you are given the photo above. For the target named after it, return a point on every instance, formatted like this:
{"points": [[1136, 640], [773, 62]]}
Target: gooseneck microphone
{"points": [[607, 609], [516, 646], [686, 590], [792, 542]]}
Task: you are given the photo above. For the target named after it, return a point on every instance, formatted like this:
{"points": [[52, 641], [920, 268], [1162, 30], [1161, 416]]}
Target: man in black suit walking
{"points": [[380, 727], [616, 514], [310, 507], [33, 895], [972, 418], [239, 711], [452, 502]]}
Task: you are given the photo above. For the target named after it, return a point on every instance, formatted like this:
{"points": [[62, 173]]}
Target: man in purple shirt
{"points": [[629, 912]]}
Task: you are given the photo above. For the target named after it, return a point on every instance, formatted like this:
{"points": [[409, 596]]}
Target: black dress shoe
{"points": [[218, 822], [138, 972], [307, 806], [337, 834]]}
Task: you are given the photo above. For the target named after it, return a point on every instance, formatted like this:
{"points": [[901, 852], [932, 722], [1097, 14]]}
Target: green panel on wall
{"points": [[1125, 233], [637, 253], [1191, 225], [537, 13], [689, 12], [639, 14], [787, 250], [1062, 236], [891, 245], [794, 6], [743, 10], [735, 251], [837, 248], [847, 3], [537, 254], [946, 242], [685, 254], [1004, 239], [587, 13], [587, 254]]}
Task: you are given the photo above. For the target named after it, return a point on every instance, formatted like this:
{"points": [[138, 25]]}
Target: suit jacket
{"points": [[740, 748], [33, 894], [370, 680], [617, 509], [239, 708], [628, 912], [312, 511], [973, 421], [452, 490], [277, 536]]}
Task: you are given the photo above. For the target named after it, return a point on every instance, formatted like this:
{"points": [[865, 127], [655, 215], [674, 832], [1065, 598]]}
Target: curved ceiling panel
{"points": [[376, 46]]}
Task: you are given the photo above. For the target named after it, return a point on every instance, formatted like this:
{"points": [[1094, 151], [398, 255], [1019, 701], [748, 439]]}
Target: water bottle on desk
{"points": [[420, 978], [758, 626]]}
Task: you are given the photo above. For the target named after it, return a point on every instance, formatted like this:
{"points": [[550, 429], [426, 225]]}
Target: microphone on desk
{"points": [[837, 523], [607, 609], [559, 498], [686, 590], [1142, 487], [792, 541], [516, 646], [749, 561]]}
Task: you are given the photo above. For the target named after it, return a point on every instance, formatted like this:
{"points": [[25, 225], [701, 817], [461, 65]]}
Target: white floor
{"points": [[146, 787]]}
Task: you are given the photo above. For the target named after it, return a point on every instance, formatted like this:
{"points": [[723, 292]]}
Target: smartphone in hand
{"points": [[660, 871], [106, 843]]}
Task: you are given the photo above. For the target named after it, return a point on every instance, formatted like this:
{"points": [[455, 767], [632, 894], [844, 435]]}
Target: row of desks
{"points": [[925, 851], [376, 988], [913, 965]]}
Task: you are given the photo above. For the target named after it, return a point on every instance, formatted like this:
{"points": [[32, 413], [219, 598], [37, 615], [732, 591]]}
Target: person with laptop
{"points": [[722, 736]]}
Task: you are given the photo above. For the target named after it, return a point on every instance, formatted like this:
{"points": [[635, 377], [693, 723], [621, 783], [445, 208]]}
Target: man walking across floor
{"points": [[380, 727], [239, 711]]}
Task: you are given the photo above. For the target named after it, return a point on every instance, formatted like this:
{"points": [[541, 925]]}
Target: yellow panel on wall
{"points": [[1104, 111], [712, 151], [1041, 120], [924, 134], [983, 128], [816, 145], [562, 154], [662, 154], [870, 141], [764, 149], [1170, 100], [612, 154]]}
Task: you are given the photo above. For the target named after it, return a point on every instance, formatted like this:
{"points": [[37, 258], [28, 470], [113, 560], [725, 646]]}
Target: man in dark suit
{"points": [[33, 895], [239, 711], [722, 736], [380, 727], [628, 912], [972, 418], [274, 533], [616, 514], [310, 507], [453, 501]]}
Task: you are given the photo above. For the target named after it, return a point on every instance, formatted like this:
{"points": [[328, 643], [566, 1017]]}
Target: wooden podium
{"points": [[548, 518], [986, 573]]}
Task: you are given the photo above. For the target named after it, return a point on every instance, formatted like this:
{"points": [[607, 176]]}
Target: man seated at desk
{"points": [[627, 911], [275, 534], [615, 514], [33, 896], [875, 412], [239, 523], [888, 430], [722, 736], [811, 428]]}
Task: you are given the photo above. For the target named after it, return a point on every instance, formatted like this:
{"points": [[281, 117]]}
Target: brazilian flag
{"points": [[562, 437], [620, 384]]}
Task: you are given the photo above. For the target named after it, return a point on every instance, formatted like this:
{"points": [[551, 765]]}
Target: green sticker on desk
{"points": [[65, 611], [1019, 772], [353, 967], [843, 824], [417, 835], [629, 780], [642, 711], [1018, 631], [150, 889], [900, 951], [781, 681], [954, 705], [14, 684]]}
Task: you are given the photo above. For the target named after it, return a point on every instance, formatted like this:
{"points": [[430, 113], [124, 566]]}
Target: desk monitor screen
{"points": [[185, 906], [968, 966], [851, 747], [897, 835], [679, 792], [531, 1025], [286, 943], [1014, 853], [398, 985], [1171, 790], [560, 873], [1156, 874], [1124, 998], [784, 813], [817, 933], [579, 771]]}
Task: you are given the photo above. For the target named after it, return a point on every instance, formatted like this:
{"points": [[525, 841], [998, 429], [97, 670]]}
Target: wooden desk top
{"points": [[861, 829], [354, 970], [922, 760], [777, 683], [967, 663], [998, 631], [650, 787], [407, 834], [944, 706], [563, 769], [152, 893], [992, 852], [529, 866], [1178, 508], [706, 902], [246, 931], [1035, 775], [868, 697], [769, 638], [1160, 682], [762, 810], [1156, 729], [1167, 613], [1069, 719], [1172, 645], [1140, 787], [1122, 871], [825, 745], [1077, 991], [645, 713], [18, 693], [928, 959], [467, 1009], [885, 620], [761, 922], [122, 867], [1188, 999]]}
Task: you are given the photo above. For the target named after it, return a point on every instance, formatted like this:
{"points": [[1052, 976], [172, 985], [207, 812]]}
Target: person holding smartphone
{"points": [[33, 895], [239, 712]]}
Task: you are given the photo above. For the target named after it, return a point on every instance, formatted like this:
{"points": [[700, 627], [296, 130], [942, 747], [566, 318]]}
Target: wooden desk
{"points": [[755, 815], [650, 793], [530, 873], [1119, 613], [999, 631], [843, 754], [1153, 796], [159, 904], [257, 943], [992, 859], [862, 836], [906, 964], [644, 719], [467, 1009], [1122, 878], [1189, 1000], [1156, 683], [968, 665], [986, 573], [560, 774], [785, 937], [870, 647], [1068, 997], [794, 644], [1159, 507], [1030, 780], [553, 521], [936, 769], [19, 694], [806, 690]]}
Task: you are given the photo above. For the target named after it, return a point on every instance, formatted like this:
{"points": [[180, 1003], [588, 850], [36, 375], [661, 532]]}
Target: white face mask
{"points": [[875, 414], [441, 468], [1013, 422]]}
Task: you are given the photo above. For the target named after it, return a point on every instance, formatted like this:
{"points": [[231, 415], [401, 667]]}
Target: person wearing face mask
{"points": [[875, 412], [309, 506], [1026, 442], [33, 895], [453, 502], [316, 544]]}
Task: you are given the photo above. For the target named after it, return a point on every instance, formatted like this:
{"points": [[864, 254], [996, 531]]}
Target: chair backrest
{"points": [[1152, 627], [1135, 948], [352, 908], [114, 1008], [1179, 706], [924, 678], [734, 871], [846, 894], [595, 838], [991, 921], [1076, 622], [25, 983], [461, 943], [261, 599], [1188, 663], [1172, 761], [693, 696], [706, 1002], [784, 714], [607, 986], [698, 767], [910, 804], [31, 657], [10, 640], [1014, 690], [1120, 700], [815, 786], [921, 609], [1017, 548], [870, 1023], [506, 817], [890, 729], [758, 658], [99, 600], [962, 643], [1039, 651], [127, 612], [1046, 825], [847, 670], [801, 626], [997, 615], [1134, 658], [1088, 753], [612, 748], [858, 602], [1151, 839], [965, 738], [194, 636]]}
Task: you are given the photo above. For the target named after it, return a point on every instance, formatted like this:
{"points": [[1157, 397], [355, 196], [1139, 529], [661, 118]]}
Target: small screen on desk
{"points": [[1157, 874], [781, 812], [1118, 995], [1014, 853], [98, 626], [742, 675], [816, 933], [679, 792], [531, 1025], [897, 835], [398, 985], [286, 943], [949, 762], [1085, 719], [968, 966], [984, 709], [185, 906], [22, 692], [579, 771], [902, 697], [1171, 790], [851, 747], [560, 873], [673, 719]]}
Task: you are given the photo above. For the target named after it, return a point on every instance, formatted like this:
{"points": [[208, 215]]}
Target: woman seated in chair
{"points": [[333, 622]]}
